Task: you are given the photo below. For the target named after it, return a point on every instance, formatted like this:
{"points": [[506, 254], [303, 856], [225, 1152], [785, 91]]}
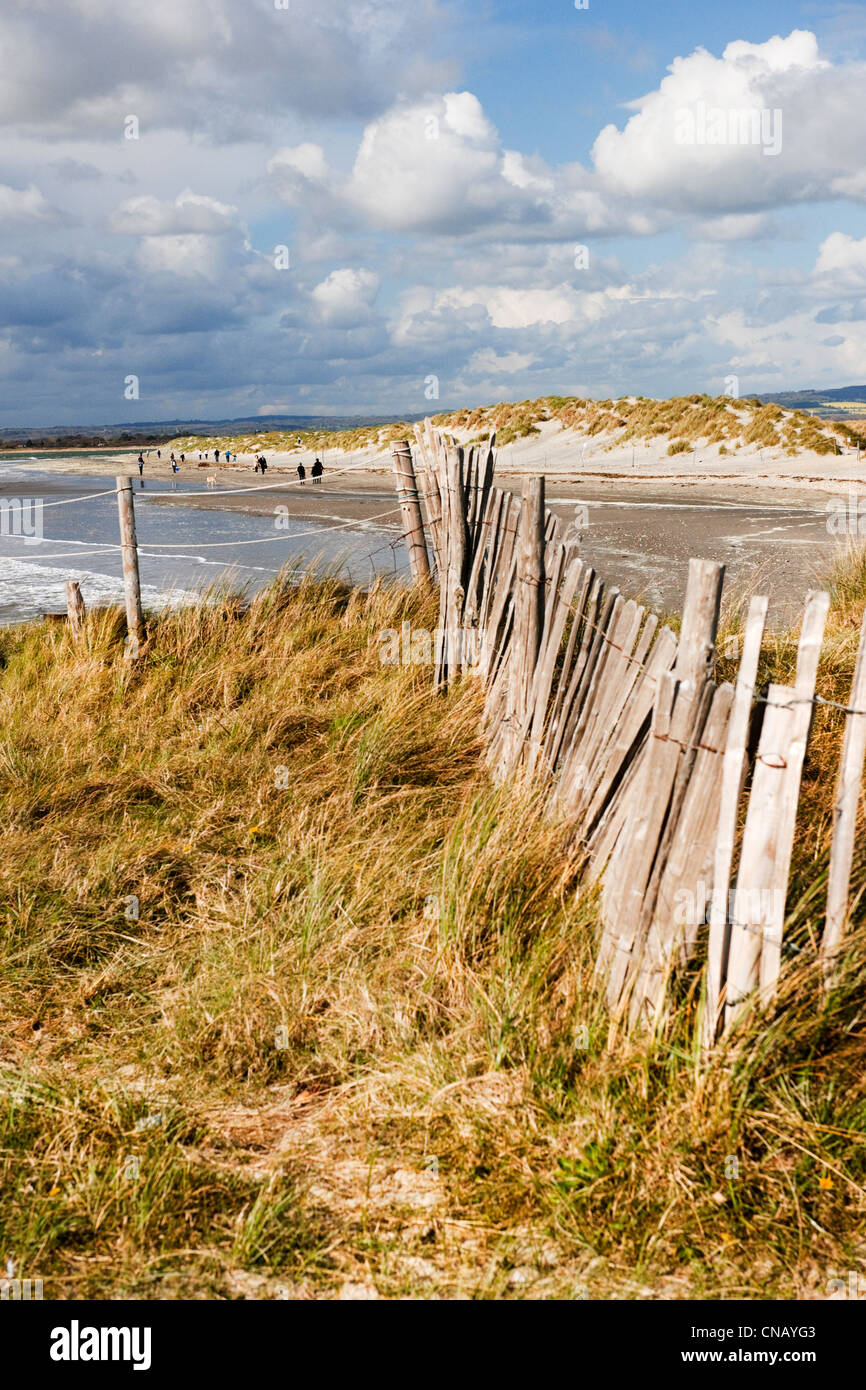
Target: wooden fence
{"points": [[642, 752]]}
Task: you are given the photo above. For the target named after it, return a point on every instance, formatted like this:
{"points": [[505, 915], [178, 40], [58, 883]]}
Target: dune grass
{"points": [[698, 420], [293, 1002]]}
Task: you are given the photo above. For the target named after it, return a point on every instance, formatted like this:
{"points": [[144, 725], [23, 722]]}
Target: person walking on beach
{"points": [[173, 463], [216, 455], [302, 472], [263, 461], [317, 470], [159, 453], [140, 465]]}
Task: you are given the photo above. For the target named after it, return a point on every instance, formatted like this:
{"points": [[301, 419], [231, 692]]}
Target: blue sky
{"points": [[478, 201]]}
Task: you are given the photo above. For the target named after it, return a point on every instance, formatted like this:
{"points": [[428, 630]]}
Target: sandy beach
{"points": [[638, 527]]}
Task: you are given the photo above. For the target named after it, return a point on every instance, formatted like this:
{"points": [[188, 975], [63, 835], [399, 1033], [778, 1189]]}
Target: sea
{"points": [[184, 550]]}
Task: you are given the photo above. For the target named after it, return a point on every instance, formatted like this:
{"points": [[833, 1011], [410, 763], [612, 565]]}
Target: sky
{"points": [[222, 208]]}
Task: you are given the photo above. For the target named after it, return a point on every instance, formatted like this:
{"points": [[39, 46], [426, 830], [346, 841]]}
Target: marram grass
{"points": [[294, 1002]]}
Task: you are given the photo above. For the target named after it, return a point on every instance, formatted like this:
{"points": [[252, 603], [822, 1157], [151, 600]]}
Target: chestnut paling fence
{"points": [[638, 748]]}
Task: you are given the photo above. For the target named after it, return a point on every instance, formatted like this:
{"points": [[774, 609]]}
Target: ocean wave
{"points": [[28, 590]]}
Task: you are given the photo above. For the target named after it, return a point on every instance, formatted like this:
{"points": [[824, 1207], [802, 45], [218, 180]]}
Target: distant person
{"points": [[317, 470], [174, 467], [302, 472], [183, 458], [159, 453], [216, 455], [256, 465], [140, 465], [263, 461]]}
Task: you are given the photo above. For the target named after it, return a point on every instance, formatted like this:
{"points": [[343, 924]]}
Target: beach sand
{"points": [[765, 518]]}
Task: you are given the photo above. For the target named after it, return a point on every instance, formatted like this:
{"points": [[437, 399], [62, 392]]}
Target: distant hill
{"points": [[835, 402], [101, 436]]}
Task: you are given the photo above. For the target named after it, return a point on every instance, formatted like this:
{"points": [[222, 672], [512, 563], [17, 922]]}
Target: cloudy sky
{"points": [[261, 206]]}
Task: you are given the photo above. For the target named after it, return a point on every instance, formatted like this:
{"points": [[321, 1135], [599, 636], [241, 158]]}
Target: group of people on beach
{"points": [[261, 465], [316, 471]]}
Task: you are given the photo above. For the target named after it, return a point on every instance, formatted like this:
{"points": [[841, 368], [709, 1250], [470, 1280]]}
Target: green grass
{"points": [[351, 1038]]}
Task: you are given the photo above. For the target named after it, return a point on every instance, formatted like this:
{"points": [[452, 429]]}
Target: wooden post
{"points": [[457, 552], [768, 838], [528, 612], [733, 774], [74, 608], [131, 584], [410, 510], [845, 812], [697, 644]]}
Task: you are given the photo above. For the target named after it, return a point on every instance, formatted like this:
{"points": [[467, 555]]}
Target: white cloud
{"points": [[23, 205], [188, 213], [689, 145], [213, 65], [489, 361], [841, 263], [345, 299], [438, 166]]}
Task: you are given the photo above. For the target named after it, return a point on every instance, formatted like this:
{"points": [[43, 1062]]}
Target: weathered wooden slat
{"points": [[676, 726], [624, 883], [75, 609], [410, 511], [686, 879], [604, 703], [808, 655], [585, 603], [633, 726], [756, 880], [733, 775], [845, 809], [556, 616], [528, 617], [593, 642]]}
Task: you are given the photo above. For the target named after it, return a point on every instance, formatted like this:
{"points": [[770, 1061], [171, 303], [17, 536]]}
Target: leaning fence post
{"points": [[74, 608], [845, 813], [733, 775], [528, 610], [410, 509], [129, 553]]}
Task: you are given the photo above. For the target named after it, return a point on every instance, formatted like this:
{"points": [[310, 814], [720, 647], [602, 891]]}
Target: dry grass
{"points": [[350, 1044], [698, 420]]}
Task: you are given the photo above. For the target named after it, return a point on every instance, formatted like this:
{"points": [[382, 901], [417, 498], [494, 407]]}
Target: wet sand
{"points": [[639, 535], [638, 531]]}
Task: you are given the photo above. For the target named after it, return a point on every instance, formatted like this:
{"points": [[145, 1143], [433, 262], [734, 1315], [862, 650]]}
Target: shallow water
{"points": [[182, 549]]}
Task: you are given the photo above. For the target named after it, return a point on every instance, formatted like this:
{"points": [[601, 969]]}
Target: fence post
{"points": [[131, 584], [410, 509], [733, 776], [74, 608], [528, 611], [845, 813]]}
